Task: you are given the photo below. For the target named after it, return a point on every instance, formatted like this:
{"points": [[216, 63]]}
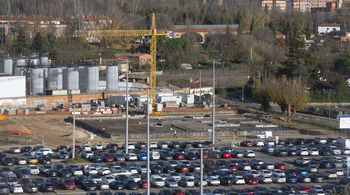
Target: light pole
{"points": [[73, 147], [127, 109], [148, 142], [201, 187], [213, 118]]}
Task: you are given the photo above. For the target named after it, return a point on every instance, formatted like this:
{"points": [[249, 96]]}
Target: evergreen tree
{"points": [[39, 44], [252, 27], [308, 31], [299, 62], [315, 28], [53, 45], [266, 10], [21, 46]]}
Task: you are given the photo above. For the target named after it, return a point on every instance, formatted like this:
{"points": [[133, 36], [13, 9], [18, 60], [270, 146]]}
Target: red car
{"points": [[232, 167], [182, 168], [248, 190], [106, 157], [142, 183], [122, 164], [247, 143], [178, 156], [24, 181], [225, 154], [304, 188], [67, 184], [280, 165], [250, 179]]}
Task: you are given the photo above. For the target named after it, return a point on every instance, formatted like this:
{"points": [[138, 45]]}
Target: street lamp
{"points": [[73, 147], [127, 109], [213, 118]]}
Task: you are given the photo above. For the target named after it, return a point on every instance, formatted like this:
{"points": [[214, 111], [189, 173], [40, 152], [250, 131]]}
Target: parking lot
{"points": [[220, 164]]}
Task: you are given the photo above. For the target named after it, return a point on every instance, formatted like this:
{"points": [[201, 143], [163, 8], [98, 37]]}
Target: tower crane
{"points": [[153, 32]]}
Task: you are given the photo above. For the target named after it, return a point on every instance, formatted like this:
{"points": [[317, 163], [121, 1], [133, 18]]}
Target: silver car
{"points": [[170, 182]]}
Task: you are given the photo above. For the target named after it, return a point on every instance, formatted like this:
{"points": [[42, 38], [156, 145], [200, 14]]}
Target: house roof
{"points": [[333, 76], [329, 24], [208, 26], [191, 85]]}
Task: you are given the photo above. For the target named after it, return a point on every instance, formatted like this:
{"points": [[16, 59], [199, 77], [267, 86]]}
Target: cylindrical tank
{"points": [[34, 62], [72, 77], [112, 78], [8, 66], [19, 71], [55, 79], [37, 81], [21, 62], [89, 78], [44, 61], [46, 72]]}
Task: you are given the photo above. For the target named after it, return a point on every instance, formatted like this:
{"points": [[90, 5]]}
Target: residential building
{"points": [[345, 4], [195, 88], [342, 35], [203, 30], [140, 59], [326, 28], [279, 4]]}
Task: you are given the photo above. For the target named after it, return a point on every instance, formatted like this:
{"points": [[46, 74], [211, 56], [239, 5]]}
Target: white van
{"points": [[264, 134], [155, 155]]}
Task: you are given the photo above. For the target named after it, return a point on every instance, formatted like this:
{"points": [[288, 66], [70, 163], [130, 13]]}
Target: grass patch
{"points": [[77, 160]]}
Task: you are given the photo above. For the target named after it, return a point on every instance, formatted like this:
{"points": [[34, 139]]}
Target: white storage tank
{"points": [[55, 79], [21, 62], [89, 78], [37, 81], [19, 71], [112, 79], [44, 61], [6, 66], [34, 62], [72, 78]]}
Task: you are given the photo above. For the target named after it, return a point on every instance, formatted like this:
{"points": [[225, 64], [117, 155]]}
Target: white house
{"points": [[326, 28]]}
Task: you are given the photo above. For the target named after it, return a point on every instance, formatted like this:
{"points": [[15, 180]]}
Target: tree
{"points": [[39, 44], [299, 62], [315, 28], [252, 26], [308, 31], [21, 45], [343, 64], [52, 45], [261, 92]]}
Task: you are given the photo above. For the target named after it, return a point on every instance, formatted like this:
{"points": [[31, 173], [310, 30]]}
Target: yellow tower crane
{"points": [[153, 32]]}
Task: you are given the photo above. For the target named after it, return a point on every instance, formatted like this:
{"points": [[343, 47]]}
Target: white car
{"points": [[278, 172], [91, 171], [339, 172], [258, 143], [136, 177], [121, 172], [108, 178], [187, 182], [249, 154], [95, 178], [335, 150], [265, 172], [86, 154], [301, 160], [264, 179], [213, 180], [157, 181], [345, 151], [33, 169], [16, 189], [302, 152], [131, 157], [103, 171], [238, 180], [153, 145], [130, 146], [253, 172], [313, 152], [77, 171], [104, 185], [316, 192], [278, 178], [85, 147], [97, 146], [316, 187]]}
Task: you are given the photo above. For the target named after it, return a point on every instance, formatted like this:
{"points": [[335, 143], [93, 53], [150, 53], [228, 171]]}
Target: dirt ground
{"points": [[53, 130]]}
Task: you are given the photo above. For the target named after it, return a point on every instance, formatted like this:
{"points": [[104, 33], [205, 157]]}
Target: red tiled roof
{"points": [[190, 85], [329, 24]]}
